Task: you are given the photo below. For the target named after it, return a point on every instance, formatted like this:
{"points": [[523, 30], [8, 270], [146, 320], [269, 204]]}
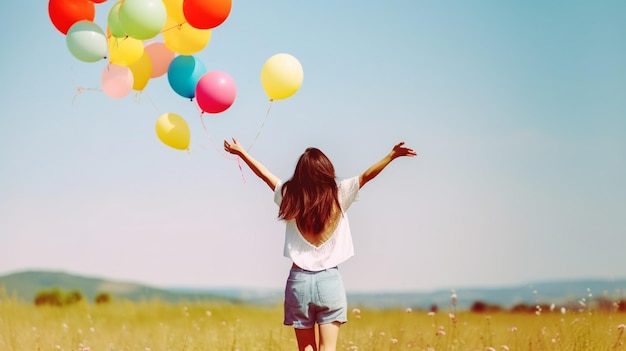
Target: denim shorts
{"points": [[314, 297]]}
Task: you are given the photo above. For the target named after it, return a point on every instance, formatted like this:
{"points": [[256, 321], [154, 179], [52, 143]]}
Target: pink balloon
{"points": [[117, 81], [161, 56], [215, 92]]}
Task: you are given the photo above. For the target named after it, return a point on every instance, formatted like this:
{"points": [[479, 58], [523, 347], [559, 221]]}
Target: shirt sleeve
{"points": [[278, 193], [348, 192]]}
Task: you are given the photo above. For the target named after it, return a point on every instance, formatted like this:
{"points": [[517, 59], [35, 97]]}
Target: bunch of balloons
{"points": [[146, 39]]}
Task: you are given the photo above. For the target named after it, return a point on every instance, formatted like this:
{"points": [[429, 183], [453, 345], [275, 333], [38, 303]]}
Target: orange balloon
{"points": [[160, 57], [206, 14], [64, 13]]}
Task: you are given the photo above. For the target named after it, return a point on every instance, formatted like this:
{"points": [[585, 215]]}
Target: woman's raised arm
{"points": [[397, 151], [257, 167]]}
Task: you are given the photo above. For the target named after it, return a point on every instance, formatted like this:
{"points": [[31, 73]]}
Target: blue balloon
{"points": [[184, 73]]}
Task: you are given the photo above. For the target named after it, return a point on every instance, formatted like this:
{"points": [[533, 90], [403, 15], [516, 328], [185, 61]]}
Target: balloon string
{"points": [[143, 92], [79, 89], [221, 152], [262, 125], [173, 27]]}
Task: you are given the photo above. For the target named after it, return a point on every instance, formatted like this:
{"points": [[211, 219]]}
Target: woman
{"points": [[317, 239]]}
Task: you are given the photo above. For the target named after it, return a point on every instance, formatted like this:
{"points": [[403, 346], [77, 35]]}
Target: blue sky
{"points": [[516, 109]]}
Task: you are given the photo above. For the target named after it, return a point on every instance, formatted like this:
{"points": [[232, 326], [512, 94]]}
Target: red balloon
{"points": [[215, 92], [64, 13], [206, 14], [98, 1]]}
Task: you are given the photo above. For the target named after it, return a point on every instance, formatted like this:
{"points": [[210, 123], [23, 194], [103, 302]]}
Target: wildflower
{"points": [[504, 347], [489, 348], [92, 329], [621, 327], [208, 313], [394, 340], [431, 314], [453, 297], [563, 310], [512, 329], [440, 331], [552, 307], [356, 311], [452, 317], [409, 310]]}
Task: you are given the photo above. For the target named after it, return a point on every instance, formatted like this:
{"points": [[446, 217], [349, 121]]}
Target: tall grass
{"points": [[156, 325]]}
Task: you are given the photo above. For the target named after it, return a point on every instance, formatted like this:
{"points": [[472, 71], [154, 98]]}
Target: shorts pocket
{"points": [[331, 292], [294, 293]]}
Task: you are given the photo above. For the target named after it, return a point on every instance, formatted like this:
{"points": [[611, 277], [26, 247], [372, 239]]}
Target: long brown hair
{"points": [[310, 196]]}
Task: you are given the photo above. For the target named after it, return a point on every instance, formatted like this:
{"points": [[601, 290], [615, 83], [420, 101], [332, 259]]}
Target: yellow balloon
{"points": [[124, 51], [281, 76], [173, 131], [184, 39], [142, 70], [174, 9]]}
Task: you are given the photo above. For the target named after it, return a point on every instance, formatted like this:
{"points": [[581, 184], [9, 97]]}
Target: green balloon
{"points": [[142, 19], [113, 21], [86, 41]]}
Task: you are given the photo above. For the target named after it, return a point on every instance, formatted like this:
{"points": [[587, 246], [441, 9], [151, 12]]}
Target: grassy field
{"points": [[156, 326]]}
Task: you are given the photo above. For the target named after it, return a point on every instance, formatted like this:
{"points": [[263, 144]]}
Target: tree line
{"points": [[58, 297]]}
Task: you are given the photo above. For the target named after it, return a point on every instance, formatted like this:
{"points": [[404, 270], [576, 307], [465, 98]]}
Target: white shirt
{"points": [[337, 249]]}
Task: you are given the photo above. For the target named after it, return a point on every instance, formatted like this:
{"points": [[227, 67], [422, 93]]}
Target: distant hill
{"points": [[25, 285], [561, 293]]}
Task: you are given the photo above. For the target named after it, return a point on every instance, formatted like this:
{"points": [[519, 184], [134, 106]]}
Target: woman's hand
{"points": [[400, 150], [257, 167], [235, 148]]}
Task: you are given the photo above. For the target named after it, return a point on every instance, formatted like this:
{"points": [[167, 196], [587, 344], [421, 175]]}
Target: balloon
{"points": [[206, 14], [160, 57], [183, 75], [64, 13], [117, 81], [113, 21], [142, 19], [125, 51], [141, 71], [281, 76], [174, 9], [215, 92], [173, 131], [98, 1], [86, 41], [185, 39]]}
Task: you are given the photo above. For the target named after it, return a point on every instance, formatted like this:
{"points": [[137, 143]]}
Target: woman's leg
{"points": [[329, 334], [306, 339]]}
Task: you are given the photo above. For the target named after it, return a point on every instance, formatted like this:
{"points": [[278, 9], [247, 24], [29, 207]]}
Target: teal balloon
{"points": [[114, 23], [86, 41], [142, 19], [183, 75]]}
